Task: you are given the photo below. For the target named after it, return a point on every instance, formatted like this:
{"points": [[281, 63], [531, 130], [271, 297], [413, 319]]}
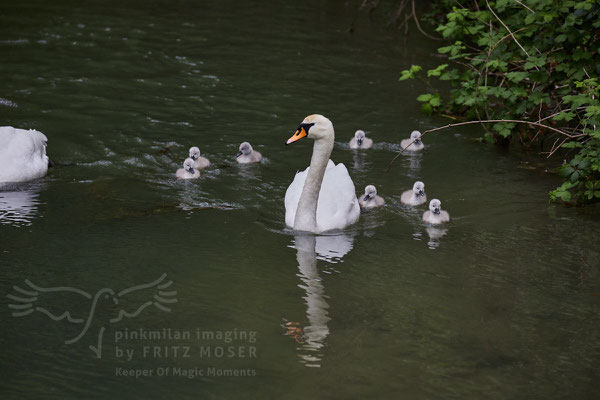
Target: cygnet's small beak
{"points": [[300, 133], [421, 193], [359, 142], [191, 171], [193, 157], [239, 153], [436, 211], [367, 197], [418, 141]]}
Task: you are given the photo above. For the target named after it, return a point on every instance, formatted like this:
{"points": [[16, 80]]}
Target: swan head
{"points": [[314, 126], [359, 135], [435, 206], [370, 192], [245, 149], [194, 153], [188, 165], [416, 137], [419, 189]]}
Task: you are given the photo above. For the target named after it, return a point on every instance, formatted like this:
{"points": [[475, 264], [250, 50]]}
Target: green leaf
{"points": [[565, 196], [425, 97], [437, 71], [436, 101], [516, 76], [571, 145], [560, 38]]}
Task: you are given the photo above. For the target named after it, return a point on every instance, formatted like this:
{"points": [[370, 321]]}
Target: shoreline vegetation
{"points": [[527, 71]]}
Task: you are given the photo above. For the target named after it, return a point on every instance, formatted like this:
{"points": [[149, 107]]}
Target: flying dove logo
{"points": [[26, 302]]}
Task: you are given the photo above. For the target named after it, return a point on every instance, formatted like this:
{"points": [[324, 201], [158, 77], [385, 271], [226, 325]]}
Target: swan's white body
{"points": [[322, 197], [22, 154], [337, 204]]}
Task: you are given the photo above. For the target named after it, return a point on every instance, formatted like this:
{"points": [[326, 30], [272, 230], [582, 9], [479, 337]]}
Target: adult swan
{"points": [[22, 154], [321, 197]]}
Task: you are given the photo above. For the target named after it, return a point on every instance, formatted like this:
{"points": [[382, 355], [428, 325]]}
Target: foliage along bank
{"points": [[533, 62]]}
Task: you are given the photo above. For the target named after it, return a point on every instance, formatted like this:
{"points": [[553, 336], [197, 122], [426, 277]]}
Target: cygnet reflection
{"points": [[434, 236]]}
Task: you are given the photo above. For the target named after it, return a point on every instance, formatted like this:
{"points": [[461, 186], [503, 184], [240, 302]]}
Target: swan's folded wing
{"points": [[292, 196], [338, 206]]}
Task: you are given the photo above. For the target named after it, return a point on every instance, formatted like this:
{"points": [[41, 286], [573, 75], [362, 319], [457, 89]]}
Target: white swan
{"points": [[360, 141], [22, 154], [199, 161], [247, 154], [321, 197], [415, 137], [416, 196], [435, 214], [188, 171], [371, 199]]}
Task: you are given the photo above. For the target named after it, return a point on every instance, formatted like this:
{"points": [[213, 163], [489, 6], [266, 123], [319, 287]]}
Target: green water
{"points": [[501, 303]]}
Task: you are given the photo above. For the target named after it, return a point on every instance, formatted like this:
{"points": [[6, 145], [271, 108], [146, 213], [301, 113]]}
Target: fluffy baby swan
{"points": [[247, 154], [415, 137], [435, 214], [360, 141], [188, 171], [199, 161], [416, 196], [371, 199]]}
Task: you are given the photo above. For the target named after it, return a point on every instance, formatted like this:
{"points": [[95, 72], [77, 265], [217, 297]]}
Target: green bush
{"points": [[535, 61]]}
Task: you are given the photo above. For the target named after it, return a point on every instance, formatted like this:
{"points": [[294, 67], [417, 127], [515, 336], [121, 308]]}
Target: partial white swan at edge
{"points": [[22, 154]]}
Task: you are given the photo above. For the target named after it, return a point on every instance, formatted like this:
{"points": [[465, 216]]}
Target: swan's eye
{"points": [[306, 126]]}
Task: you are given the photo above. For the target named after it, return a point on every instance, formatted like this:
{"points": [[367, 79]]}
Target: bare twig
{"points": [[508, 29], [414, 13], [490, 121], [555, 148], [517, 1]]}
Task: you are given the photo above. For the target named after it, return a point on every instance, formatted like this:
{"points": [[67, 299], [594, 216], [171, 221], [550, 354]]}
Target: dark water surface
{"points": [[501, 303]]}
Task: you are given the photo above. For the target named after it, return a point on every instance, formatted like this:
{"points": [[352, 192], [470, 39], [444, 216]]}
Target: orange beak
{"points": [[300, 133]]}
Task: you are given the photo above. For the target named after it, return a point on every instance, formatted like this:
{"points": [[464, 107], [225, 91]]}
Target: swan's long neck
{"points": [[306, 213]]}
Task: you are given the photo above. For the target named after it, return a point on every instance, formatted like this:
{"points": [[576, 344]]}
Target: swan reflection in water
{"points": [[310, 248], [19, 204]]}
